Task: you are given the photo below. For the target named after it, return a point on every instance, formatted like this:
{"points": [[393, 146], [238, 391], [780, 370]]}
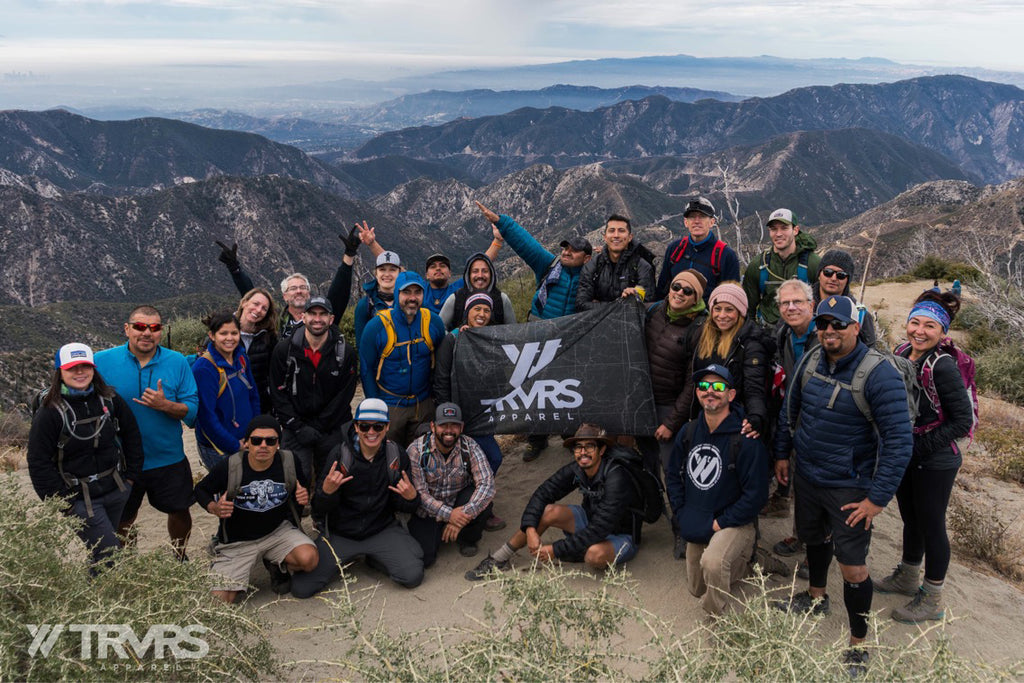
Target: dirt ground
{"points": [[989, 611]]}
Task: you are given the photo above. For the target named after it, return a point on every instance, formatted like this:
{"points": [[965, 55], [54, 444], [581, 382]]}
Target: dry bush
{"points": [[980, 534], [1005, 449]]}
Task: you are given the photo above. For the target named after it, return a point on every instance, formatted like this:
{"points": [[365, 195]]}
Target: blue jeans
{"points": [[209, 455], [491, 449], [625, 547]]}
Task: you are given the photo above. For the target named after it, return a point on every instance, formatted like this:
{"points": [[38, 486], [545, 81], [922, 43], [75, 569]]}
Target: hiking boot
{"points": [[904, 580], [791, 545], [532, 452], [776, 507], [280, 580], [856, 662], [803, 571], [679, 548], [486, 566], [495, 523], [925, 605], [468, 550], [769, 563], [804, 603]]}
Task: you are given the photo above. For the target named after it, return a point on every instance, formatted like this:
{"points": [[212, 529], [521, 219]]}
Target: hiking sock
{"points": [[912, 566], [929, 586], [504, 553], [819, 557], [857, 597]]}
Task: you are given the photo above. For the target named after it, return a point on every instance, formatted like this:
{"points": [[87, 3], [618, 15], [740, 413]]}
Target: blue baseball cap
{"points": [[841, 308], [714, 369], [372, 410]]}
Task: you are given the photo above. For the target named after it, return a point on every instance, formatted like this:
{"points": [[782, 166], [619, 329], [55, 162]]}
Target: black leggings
{"points": [[923, 497]]}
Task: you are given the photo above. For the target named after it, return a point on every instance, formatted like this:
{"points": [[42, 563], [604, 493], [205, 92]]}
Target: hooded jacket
{"points": [[704, 484], [603, 281], [561, 298], [222, 419], [83, 458], [405, 373], [453, 312], [779, 270]]}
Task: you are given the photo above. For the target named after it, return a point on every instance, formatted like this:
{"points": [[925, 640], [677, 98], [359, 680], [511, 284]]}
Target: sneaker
{"points": [[486, 566], [776, 507], [791, 545], [924, 607], [904, 580], [280, 580], [532, 452], [804, 603], [803, 571], [495, 523], [679, 548], [856, 662], [468, 550]]}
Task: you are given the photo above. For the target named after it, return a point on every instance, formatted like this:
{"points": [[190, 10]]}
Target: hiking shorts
{"points": [[817, 515], [168, 488], [625, 547], [233, 562]]}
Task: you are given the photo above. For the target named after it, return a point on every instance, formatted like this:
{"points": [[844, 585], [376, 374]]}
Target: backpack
{"points": [[646, 484], [392, 453], [965, 364], [639, 252], [67, 433], [392, 339], [292, 369], [872, 359], [801, 269], [222, 376], [235, 483], [716, 254]]}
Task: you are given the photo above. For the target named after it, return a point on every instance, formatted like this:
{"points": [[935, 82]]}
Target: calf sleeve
{"points": [[819, 557], [857, 597]]}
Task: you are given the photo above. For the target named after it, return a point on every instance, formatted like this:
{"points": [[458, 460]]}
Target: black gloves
{"points": [[229, 257], [351, 242]]}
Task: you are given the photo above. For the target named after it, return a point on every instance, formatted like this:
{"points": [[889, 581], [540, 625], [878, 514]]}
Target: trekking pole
{"points": [[867, 264]]}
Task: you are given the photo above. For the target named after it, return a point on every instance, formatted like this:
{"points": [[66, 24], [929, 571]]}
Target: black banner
{"points": [[550, 376]]}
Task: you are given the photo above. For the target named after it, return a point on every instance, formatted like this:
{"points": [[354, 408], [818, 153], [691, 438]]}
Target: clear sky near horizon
{"points": [[195, 43]]}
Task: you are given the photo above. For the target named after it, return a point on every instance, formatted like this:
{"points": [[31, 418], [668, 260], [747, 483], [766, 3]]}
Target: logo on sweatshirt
{"points": [[704, 466]]}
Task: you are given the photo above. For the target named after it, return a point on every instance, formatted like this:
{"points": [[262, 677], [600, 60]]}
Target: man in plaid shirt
{"points": [[455, 484]]}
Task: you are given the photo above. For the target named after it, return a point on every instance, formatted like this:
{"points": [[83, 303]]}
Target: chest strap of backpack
{"points": [[765, 271], [68, 433], [392, 343]]}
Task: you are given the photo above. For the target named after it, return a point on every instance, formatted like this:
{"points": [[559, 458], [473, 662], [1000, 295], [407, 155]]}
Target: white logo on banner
{"points": [[542, 394]]}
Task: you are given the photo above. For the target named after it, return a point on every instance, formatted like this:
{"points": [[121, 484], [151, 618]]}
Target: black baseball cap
{"points": [[578, 244], [700, 205], [438, 257]]}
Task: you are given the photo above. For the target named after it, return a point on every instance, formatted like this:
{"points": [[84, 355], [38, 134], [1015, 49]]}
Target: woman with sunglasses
{"points": [[835, 273], [923, 495], [672, 329], [257, 318], [228, 397], [85, 446], [729, 339]]}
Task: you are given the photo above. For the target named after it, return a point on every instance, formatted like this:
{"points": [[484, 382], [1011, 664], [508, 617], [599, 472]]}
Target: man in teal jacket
{"points": [[158, 385]]}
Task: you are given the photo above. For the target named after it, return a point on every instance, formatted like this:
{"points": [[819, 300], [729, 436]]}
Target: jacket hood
{"points": [[805, 242], [480, 256], [732, 424], [403, 279]]}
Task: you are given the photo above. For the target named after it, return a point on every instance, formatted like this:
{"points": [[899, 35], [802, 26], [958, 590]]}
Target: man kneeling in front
{"points": [[600, 532]]}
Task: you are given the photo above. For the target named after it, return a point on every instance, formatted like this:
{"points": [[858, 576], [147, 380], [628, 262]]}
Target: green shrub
{"points": [[1000, 371], [186, 335], [45, 580], [937, 268]]}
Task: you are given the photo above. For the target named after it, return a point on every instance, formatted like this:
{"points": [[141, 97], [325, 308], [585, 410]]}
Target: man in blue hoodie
{"points": [[396, 358], [717, 481]]}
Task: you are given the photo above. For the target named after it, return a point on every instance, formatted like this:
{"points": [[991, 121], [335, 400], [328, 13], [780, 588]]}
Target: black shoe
{"points": [[788, 546], [280, 580], [486, 566], [856, 662], [468, 550], [803, 571], [803, 603]]}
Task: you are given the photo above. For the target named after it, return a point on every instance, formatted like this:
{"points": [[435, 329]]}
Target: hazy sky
{"points": [[287, 41]]}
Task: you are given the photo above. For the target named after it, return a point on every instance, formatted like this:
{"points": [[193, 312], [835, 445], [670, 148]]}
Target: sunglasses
{"points": [[371, 426], [679, 287], [837, 325], [260, 440], [713, 386], [142, 327], [832, 272]]}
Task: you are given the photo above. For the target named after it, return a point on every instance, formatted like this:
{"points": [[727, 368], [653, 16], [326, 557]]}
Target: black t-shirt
{"points": [[261, 504]]}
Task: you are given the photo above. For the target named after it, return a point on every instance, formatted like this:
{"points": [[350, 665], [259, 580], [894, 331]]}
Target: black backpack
{"points": [[646, 484]]}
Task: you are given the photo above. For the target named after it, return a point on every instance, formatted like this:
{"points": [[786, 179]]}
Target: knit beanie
{"points": [[694, 279], [264, 421], [729, 293], [479, 298], [838, 258]]}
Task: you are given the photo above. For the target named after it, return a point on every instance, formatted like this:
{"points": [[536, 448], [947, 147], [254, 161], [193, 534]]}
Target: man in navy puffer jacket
{"points": [[847, 468]]}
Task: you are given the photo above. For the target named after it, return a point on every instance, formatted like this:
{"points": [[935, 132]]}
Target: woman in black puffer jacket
{"points": [[729, 339], [85, 446], [257, 317], [924, 492]]}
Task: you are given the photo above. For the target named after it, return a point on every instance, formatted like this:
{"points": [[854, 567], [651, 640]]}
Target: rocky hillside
{"points": [[975, 123]]}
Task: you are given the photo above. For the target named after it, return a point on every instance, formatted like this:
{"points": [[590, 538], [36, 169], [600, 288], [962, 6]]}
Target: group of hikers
{"points": [[769, 379]]}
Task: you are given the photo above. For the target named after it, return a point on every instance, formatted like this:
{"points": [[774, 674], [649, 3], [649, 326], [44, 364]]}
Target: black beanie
{"points": [[265, 421], [839, 259]]}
